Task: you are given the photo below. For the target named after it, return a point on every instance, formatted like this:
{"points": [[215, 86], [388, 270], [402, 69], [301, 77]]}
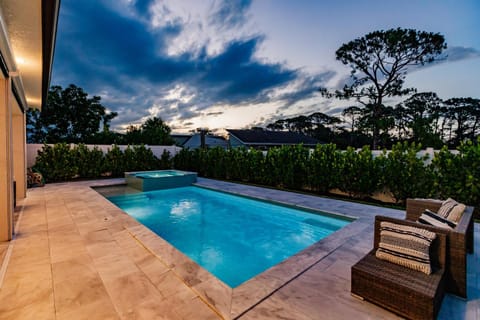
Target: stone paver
{"points": [[77, 256], [69, 262]]}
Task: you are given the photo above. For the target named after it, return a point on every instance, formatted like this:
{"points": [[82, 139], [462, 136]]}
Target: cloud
{"points": [[214, 113], [123, 57], [306, 87], [230, 13], [336, 111], [449, 55], [236, 77], [461, 53]]}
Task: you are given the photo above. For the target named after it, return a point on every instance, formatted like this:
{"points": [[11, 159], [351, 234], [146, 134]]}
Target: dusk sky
{"points": [[239, 63]]}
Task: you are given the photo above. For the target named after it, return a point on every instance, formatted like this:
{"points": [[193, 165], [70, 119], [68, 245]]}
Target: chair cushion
{"points": [[406, 246], [451, 210], [431, 218]]}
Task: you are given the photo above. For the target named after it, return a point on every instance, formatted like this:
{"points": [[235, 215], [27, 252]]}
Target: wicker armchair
{"points": [[459, 243], [409, 293]]}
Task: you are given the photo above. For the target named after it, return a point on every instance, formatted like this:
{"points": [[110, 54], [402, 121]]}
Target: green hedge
{"points": [[56, 163], [62, 162], [357, 173], [404, 174]]}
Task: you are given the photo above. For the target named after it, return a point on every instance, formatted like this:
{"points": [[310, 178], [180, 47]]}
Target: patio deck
{"points": [[77, 256]]}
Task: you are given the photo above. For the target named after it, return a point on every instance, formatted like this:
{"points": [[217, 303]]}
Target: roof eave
{"points": [[50, 10], [279, 143]]}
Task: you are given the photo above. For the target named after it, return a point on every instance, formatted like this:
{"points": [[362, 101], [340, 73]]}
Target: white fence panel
{"points": [[429, 151]]}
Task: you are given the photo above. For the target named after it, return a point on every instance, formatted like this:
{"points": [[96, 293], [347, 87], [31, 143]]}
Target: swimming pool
{"points": [[234, 238]]}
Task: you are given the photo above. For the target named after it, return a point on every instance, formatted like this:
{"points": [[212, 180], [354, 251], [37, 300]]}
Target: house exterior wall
{"points": [[27, 31], [235, 142], [19, 157], [6, 161]]}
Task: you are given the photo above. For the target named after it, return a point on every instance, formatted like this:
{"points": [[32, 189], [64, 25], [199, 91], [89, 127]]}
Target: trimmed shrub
{"points": [[359, 174], [292, 162], [324, 173], [404, 173], [56, 163], [255, 166], [182, 160], [458, 175], [90, 163], [214, 162], [114, 162], [165, 161], [273, 172], [140, 158]]}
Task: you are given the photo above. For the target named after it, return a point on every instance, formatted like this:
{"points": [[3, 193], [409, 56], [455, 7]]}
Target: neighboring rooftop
{"points": [[193, 141], [180, 138], [258, 137]]}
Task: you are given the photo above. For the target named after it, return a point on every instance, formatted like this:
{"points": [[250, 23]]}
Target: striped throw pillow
{"points": [[406, 246], [433, 219], [451, 210]]}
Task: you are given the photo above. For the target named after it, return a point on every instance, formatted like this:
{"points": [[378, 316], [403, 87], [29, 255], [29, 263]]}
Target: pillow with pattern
{"points": [[406, 246], [451, 210], [433, 219]]}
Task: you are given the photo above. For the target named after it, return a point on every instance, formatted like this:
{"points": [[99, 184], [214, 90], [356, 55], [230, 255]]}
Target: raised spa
{"points": [[160, 179]]}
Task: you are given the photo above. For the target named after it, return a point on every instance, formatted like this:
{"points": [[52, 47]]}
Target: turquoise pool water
{"points": [[235, 238], [160, 174]]}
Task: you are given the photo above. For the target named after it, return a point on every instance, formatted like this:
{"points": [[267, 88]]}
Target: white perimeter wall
{"points": [[32, 150], [430, 151]]}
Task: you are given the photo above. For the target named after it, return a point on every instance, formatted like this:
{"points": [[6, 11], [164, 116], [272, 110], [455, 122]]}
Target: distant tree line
{"points": [[71, 116], [422, 118]]}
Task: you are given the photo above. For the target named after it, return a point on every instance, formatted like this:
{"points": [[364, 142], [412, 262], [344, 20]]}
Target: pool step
{"points": [[321, 224], [129, 198]]}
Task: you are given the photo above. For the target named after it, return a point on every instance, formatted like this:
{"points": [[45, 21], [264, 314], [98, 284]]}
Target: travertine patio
{"points": [[77, 256]]}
